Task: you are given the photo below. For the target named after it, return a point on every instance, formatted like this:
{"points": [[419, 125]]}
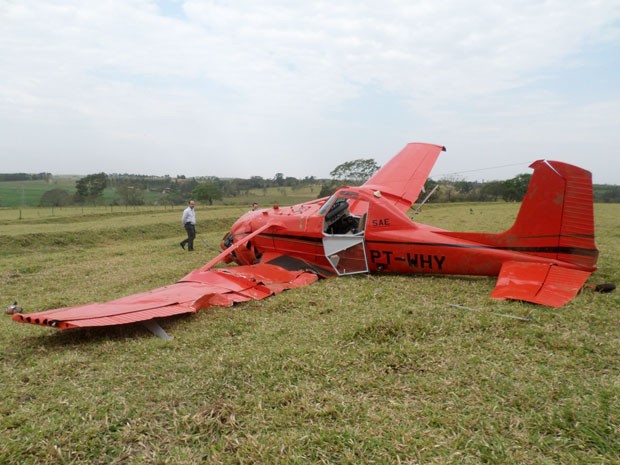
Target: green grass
{"points": [[352, 370], [27, 194]]}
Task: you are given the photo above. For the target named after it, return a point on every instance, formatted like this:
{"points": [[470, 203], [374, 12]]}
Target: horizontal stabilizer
{"points": [[539, 283], [199, 289]]}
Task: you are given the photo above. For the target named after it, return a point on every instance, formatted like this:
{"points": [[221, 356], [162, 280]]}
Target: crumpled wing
{"points": [[402, 178], [539, 283], [198, 290]]}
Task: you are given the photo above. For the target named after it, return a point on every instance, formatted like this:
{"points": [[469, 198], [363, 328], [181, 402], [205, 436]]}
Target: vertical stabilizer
{"points": [[557, 215], [556, 218]]}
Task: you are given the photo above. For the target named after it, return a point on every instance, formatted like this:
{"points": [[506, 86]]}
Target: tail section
{"points": [[556, 219], [557, 214]]}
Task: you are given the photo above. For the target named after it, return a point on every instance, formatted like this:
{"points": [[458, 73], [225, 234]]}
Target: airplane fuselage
{"points": [[385, 241]]}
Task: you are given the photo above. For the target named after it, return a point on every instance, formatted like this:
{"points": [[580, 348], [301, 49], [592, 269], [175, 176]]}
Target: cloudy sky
{"points": [[257, 87]]}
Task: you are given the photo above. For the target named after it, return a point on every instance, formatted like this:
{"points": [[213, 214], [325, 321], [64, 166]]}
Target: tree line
{"points": [[25, 177], [130, 189], [455, 189]]}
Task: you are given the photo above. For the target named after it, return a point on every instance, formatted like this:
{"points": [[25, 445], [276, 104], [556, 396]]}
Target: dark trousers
{"points": [[191, 235]]}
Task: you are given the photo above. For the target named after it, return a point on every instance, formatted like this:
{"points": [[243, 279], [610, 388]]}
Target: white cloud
{"points": [[249, 88]]}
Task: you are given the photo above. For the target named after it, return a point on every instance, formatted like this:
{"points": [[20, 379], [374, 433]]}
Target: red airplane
{"points": [[544, 258]]}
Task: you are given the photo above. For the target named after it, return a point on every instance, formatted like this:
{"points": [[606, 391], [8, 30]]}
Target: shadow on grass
{"points": [[92, 336]]}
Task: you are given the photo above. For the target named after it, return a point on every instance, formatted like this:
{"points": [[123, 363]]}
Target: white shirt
{"points": [[189, 216]]}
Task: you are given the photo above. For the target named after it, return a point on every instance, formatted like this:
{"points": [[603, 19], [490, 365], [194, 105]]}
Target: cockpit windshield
{"points": [[327, 204]]}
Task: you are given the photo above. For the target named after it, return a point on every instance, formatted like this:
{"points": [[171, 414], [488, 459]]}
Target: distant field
{"points": [[267, 197], [356, 370], [27, 194]]}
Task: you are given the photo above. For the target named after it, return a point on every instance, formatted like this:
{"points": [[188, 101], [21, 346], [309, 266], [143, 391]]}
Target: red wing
{"points": [[402, 178], [539, 283], [200, 289]]}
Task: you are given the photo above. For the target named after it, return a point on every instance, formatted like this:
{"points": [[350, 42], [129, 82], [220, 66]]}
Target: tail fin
{"points": [[556, 219], [557, 213]]}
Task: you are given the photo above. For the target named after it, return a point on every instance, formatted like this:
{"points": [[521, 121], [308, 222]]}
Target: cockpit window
{"points": [[327, 205]]}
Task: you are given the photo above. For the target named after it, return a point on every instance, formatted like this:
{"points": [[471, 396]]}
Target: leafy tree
{"points": [[230, 188], [170, 197], [308, 181], [278, 179], [291, 181], [607, 194], [256, 182], [208, 192], [327, 189], [515, 188], [429, 184], [464, 187], [185, 188], [430, 190], [356, 171], [55, 198], [90, 188], [491, 190], [131, 195]]}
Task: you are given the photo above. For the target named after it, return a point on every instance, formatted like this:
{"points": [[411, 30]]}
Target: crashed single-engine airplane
{"points": [[545, 257]]}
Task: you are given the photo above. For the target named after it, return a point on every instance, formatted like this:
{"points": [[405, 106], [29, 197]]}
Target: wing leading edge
{"points": [[539, 283]]}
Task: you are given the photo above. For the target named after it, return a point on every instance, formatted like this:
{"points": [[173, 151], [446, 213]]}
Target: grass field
{"points": [[364, 369], [26, 195], [16, 194]]}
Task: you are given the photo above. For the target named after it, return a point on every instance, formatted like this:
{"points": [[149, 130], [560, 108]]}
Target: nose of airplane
{"points": [[245, 254]]}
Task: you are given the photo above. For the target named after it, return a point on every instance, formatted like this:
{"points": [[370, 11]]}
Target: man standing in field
{"points": [[189, 223]]}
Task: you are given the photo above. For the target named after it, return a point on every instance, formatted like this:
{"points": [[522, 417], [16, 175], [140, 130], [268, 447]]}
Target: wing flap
{"points": [[199, 289], [539, 283]]}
